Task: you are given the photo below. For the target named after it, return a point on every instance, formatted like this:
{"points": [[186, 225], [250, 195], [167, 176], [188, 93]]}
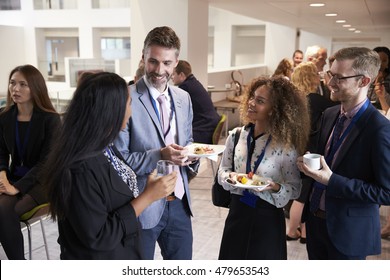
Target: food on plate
{"points": [[242, 179], [258, 180], [231, 181], [200, 150]]}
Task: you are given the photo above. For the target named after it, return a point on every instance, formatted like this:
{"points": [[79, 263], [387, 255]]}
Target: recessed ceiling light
{"points": [[341, 21], [347, 25], [331, 15], [357, 31], [317, 5], [352, 29]]}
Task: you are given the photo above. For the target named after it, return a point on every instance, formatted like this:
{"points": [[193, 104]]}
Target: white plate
{"points": [[217, 149], [249, 185]]}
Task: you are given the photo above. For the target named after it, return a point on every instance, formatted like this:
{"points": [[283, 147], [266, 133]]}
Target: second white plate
{"points": [[216, 150], [249, 185]]}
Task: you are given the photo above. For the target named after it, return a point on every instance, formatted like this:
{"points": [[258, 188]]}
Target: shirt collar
{"points": [[351, 113]]}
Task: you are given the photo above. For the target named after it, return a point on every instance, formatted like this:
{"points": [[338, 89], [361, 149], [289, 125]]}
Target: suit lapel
{"points": [[327, 127], [144, 98]]}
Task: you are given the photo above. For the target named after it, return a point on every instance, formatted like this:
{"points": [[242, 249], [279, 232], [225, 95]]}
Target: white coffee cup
{"points": [[312, 161]]}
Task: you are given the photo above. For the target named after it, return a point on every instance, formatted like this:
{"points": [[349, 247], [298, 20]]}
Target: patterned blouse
{"points": [[124, 171], [278, 164]]}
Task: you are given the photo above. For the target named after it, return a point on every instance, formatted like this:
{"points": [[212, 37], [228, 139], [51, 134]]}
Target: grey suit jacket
{"points": [[141, 141]]}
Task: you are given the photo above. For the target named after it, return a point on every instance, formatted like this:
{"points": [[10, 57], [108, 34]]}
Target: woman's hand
{"points": [[155, 189], [6, 187], [159, 187]]}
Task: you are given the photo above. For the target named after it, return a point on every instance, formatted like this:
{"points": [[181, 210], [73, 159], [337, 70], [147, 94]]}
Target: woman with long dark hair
{"points": [[93, 194], [27, 124]]}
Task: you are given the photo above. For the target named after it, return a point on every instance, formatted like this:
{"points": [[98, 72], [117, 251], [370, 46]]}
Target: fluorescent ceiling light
{"points": [[357, 31], [331, 15], [352, 29], [347, 25], [341, 21], [317, 5]]}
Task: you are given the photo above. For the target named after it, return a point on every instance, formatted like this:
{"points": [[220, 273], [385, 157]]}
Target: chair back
{"points": [[218, 129]]}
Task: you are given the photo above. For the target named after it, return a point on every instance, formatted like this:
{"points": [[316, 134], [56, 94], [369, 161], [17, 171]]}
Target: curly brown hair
{"points": [[289, 123]]}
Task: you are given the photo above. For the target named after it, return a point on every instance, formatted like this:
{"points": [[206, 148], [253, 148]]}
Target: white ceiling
{"points": [[371, 17]]}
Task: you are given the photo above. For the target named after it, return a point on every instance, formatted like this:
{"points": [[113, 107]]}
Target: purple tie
{"points": [[165, 125], [318, 188]]}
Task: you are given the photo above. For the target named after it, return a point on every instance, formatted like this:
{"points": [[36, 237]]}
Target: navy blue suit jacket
{"points": [[359, 184], [206, 117]]}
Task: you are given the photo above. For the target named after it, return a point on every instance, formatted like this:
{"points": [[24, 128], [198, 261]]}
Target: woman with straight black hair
{"points": [[27, 124], [92, 192]]}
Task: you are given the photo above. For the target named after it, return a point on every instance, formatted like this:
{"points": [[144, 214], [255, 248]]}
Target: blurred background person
{"points": [[307, 80], [93, 193], [284, 69], [27, 125], [270, 141], [206, 117], [381, 84], [297, 58], [138, 74], [318, 56]]}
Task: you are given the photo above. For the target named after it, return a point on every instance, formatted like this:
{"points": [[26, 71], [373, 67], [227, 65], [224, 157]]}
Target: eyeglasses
{"points": [[337, 79]]}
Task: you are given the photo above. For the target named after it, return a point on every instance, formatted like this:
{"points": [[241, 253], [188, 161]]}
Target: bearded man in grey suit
{"points": [[148, 140]]}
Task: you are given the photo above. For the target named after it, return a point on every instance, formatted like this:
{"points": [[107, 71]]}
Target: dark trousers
{"points": [[173, 233], [11, 237], [319, 246], [254, 233]]}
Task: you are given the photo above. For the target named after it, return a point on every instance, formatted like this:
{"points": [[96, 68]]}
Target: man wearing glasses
{"points": [[342, 214]]}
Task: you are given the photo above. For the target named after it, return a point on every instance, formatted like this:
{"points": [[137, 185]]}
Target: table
{"points": [[226, 90], [226, 106]]}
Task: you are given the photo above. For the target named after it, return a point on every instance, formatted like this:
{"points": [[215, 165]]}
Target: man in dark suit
{"points": [[206, 117], [342, 214], [160, 127]]}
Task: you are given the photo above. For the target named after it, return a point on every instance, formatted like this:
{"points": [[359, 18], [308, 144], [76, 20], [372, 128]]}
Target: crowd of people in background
{"points": [[96, 166]]}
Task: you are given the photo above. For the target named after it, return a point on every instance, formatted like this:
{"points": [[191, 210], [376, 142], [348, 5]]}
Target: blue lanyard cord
{"points": [[22, 149], [250, 150], [332, 152]]}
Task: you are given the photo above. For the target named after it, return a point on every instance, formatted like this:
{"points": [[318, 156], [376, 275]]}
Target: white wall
{"points": [[279, 44], [12, 42]]}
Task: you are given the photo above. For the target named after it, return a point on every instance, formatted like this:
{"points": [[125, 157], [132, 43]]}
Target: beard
{"points": [[158, 81]]}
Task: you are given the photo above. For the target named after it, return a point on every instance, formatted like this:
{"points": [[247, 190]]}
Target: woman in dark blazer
{"points": [[27, 124], [93, 193]]}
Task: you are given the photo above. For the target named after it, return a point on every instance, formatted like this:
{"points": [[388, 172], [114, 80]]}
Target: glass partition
{"points": [[55, 4], [9, 5]]}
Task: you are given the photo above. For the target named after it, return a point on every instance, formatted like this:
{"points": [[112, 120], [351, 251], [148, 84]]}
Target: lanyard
{"points": [[22, 149], [250, 151], [333, 151]]}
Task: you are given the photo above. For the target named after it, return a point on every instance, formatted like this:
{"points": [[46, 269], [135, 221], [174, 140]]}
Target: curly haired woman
{"points": [[276, 128]]}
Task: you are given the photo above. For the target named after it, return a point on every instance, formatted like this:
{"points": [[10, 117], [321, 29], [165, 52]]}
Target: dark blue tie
{"points": [[318, 188]]}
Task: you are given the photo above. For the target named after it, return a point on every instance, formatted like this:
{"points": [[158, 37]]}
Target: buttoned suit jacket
{"points": [[359, 184], [140, 143]]}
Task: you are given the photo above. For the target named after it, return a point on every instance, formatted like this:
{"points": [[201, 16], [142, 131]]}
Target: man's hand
{"points": [[175, 153], [321, 176]]}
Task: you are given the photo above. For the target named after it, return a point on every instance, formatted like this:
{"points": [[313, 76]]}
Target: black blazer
{"points": [[44, 125], [206, 117], [101, 223]]}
